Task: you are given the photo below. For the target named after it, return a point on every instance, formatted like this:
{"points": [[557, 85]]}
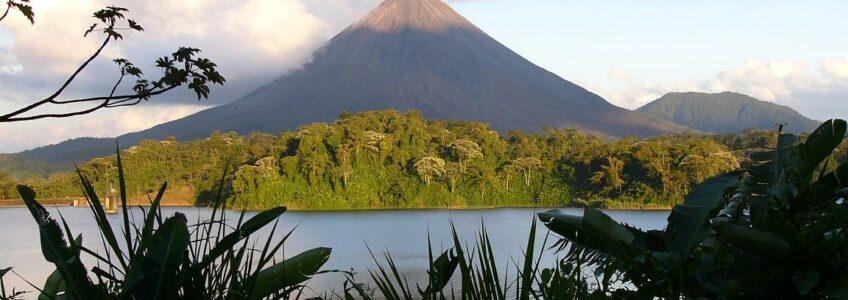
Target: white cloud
{"points": [[252, 41], [836, 67], [817, 90]]}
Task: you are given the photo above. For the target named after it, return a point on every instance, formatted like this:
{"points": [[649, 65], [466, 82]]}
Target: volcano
{"points": [[421, 55]]}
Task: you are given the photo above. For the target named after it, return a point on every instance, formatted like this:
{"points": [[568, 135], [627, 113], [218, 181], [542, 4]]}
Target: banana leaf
{"points": [[688, 223], [755, 241], [594, 230], [288, 273]]}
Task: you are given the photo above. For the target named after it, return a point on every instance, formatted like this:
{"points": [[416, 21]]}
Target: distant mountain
{"points": [[726, 112], [412, 54]]}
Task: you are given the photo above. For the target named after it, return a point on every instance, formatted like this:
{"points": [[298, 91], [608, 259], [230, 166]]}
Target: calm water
{"points": [[402, 232]]}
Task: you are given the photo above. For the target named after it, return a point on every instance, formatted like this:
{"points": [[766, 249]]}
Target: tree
{"points": [[7, 186], [181, 67], [343, 153], [774, 229], [453, 173], [610, 173], [526, 165], [466, 150], [429, 167], [373, 140]]}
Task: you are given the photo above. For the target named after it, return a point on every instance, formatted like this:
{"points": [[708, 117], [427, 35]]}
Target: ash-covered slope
{"points": [[419, 54], [415, 54]]}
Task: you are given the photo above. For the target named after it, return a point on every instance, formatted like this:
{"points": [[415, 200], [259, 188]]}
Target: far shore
{"points": [[20, 204]]}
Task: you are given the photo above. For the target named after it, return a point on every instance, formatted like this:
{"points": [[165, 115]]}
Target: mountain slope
{"points": [[416, 54], [726, 112]]}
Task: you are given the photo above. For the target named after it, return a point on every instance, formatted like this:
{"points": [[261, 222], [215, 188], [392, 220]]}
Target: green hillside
{"points": [[726, 112], [389, 159]]}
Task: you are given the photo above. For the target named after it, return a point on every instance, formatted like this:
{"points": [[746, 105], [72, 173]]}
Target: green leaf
{"points": [[594, 230], [755, 241], [162, 260], [688, 223], [527, 272], [288, 273], [56, 250], [52, 286], [100, 217], [805, 281], [820, 144], [122, 187], [244, 231], [440, 272]]}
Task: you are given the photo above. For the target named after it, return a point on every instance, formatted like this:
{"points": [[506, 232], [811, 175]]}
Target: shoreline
{"points": [[335, 210]]}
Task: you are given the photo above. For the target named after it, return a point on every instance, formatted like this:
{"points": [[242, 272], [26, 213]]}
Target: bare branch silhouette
{"points": [[181, 67]]}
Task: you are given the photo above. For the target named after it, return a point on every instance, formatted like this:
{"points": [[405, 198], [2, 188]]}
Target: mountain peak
{"points": [[426, 15]]}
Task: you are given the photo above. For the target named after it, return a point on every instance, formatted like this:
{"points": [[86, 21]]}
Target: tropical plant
{"points": [[166, 258], [776, 229], [11, 295], [479, 276], [610, 174]]}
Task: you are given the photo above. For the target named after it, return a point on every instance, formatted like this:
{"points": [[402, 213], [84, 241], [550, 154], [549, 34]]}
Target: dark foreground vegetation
{"points": [[777, 228], [389, 159]]}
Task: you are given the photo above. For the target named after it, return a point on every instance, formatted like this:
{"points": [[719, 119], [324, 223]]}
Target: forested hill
{"points": [[393, 159], [726, 112]]}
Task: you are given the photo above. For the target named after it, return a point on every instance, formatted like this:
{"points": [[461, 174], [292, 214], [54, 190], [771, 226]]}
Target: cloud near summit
{"points": [[252, 41]]}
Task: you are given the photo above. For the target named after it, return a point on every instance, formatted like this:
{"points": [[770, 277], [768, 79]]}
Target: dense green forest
{"points": [[389, 159], [726, 112]]}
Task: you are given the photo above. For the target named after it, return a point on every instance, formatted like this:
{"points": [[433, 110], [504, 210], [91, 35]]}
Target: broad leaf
{"points": [[757, 242], [594, 230], [688, 223], [288, 273], [56, 250]]}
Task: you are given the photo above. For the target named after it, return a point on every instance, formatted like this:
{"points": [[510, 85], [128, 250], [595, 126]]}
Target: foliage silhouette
{"points": [[182, 67], [166, 258], [774, 229]]}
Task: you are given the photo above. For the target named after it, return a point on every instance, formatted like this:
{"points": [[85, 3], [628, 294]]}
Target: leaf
{"points": [[244, 231], [52, 286], [56, 250], [820, 144], [100, 217], [805, 281], [688, 223], [527, 273], [288, 273], [162, 260], [122, 187], [440, 273], [26, 10], [594, 230], [755, 241]]}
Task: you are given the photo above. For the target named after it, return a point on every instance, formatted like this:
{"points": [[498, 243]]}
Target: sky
{"points": [[630, 52]]}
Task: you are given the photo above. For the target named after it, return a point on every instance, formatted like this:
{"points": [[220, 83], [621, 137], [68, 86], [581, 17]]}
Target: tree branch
{"points": [[107, 102], [52, 98], [8, 8]]}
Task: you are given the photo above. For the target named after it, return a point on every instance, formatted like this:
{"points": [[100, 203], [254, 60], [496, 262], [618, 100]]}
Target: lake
{"points": [[402, 232]]}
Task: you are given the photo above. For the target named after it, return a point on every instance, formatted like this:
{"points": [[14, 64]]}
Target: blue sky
{"points": [[630, 52]]}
